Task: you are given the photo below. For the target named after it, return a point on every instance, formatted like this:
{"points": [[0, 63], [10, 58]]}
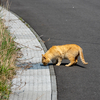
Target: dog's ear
{"points": [[43, 56]]}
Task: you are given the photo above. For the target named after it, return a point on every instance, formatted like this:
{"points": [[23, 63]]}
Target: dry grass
{"points": [[8, 52]]}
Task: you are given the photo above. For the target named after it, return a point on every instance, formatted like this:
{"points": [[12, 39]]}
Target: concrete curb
{"points": [[52, 73]]}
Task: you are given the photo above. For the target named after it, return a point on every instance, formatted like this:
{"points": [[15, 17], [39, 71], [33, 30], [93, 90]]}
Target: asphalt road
{"points": [[64, 22]]}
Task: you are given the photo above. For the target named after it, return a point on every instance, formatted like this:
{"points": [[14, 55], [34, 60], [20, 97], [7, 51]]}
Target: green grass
{"points": [[8, 54]]}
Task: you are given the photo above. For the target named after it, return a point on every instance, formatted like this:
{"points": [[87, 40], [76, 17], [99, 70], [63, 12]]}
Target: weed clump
{"points": [[8, 55]]}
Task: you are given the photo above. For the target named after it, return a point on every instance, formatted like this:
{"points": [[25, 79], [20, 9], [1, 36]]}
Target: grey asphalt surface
{"points": [[63, 22]]}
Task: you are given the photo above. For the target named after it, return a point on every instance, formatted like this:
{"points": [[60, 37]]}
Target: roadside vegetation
{"points": [[8, 55]]}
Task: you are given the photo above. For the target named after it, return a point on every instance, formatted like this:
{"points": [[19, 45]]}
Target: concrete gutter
{"points": [[33, 81]]}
